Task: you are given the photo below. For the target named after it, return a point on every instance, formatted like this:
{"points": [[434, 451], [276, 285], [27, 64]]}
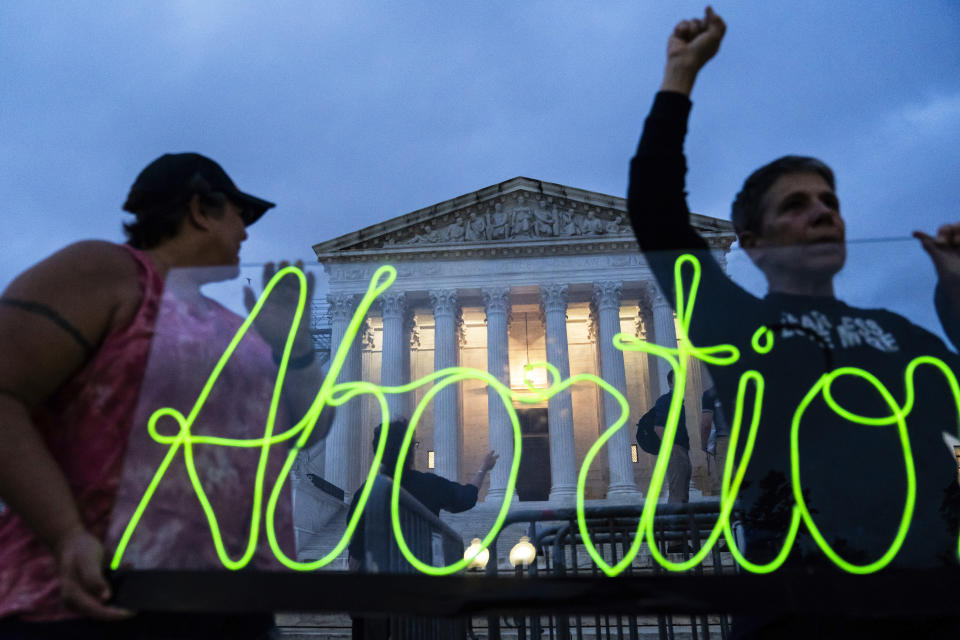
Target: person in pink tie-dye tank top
{"points": [[95, 338]]}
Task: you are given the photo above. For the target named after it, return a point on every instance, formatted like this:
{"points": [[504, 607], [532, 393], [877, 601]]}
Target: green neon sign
{"points": [[334, 394]]}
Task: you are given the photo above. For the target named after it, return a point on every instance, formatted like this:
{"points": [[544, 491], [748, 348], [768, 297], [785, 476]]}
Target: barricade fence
{"points": [[679, 531], [429, 539]]}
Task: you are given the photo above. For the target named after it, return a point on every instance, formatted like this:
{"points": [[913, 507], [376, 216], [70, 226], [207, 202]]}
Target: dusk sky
{"points": [[350, 113]]}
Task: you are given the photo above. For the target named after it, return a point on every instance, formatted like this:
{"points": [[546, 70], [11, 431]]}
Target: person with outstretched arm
{"points": [[434, 492], [850, 476]]}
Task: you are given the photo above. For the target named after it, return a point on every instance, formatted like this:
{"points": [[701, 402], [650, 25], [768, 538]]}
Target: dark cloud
{"points": [[350, 113]]}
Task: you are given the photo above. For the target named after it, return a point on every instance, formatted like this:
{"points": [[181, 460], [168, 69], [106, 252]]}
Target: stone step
{"points": [[311, 626]]}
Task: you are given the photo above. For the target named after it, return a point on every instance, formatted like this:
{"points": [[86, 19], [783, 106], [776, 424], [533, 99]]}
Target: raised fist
{"points": [[693, 42]]}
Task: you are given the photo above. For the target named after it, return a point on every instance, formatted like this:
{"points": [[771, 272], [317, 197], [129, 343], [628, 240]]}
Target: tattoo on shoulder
{"points": [[50, 314]]}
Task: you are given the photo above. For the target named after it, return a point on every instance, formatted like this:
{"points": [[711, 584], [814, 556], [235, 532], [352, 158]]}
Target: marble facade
{"points": [[518, 272]]}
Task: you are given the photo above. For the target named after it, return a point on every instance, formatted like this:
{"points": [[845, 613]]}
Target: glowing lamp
{"points": [[523, 552], [482, 555]]}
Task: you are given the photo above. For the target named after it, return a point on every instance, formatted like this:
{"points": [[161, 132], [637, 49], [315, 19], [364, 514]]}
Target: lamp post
{"points": [[523, 553], [477, 555]]}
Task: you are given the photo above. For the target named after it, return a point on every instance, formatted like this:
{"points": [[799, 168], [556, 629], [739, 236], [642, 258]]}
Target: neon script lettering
{"points": [[334, 394]]}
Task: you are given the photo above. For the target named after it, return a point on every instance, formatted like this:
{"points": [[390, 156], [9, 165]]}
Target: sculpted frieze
{"points": [[479, 271], [515, 217]]}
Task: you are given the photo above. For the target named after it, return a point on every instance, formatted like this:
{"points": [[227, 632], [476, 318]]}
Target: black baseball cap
{"points": [[174, 177]]}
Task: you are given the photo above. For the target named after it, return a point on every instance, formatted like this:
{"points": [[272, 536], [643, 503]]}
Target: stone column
{"points": [[411, 337], [694, 392], [356, 443], [607, 298], [446, 432], [347, 418], [665, 335], [719, 254], [496, 304], [313, 459], [560, 407], [395, 345], [648, 369]]}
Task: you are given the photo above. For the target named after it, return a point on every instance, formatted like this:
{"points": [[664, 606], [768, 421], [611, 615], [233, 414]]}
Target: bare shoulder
{"points": [[90, 267], [56, 313], [89, 257], [89, 284]]}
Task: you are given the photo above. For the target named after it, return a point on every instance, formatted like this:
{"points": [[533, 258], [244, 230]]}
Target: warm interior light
{"points": [[538, 376], [634, 454], [523, 552], [480, 562], [431, 461]]}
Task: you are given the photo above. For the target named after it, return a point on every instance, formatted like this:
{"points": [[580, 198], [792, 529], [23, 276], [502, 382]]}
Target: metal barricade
{"points": [[679, 531]]}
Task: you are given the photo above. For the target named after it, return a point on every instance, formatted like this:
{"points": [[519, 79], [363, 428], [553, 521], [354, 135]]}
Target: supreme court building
{"points": [[515, 273]]}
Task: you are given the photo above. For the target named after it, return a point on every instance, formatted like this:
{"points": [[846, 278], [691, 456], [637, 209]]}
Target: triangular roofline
{"points": [[350, 244]]}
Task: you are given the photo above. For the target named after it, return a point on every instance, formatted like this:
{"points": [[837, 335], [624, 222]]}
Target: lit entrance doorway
{"points": [[533, 478]]}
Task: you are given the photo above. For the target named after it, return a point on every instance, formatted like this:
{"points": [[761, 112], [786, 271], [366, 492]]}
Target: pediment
{"points": [[516, 217]]}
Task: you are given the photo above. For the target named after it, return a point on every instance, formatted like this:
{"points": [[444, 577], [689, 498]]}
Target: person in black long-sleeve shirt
{"points": [[853, 478], [679, 469], [433, 492]]}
